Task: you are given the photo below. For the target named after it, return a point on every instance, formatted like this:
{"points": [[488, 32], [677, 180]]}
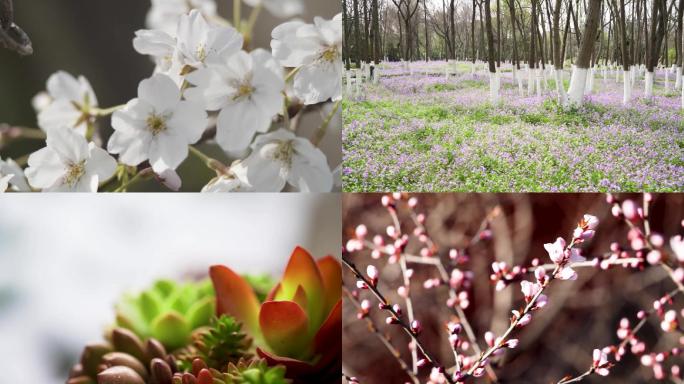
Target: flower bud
{"points": [[372, 273], [629, 209], [361, 231], [416, 327]]}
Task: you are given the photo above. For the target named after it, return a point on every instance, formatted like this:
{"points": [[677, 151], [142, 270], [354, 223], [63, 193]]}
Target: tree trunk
{"points": [[491, 56], [578, 81], [622, 31], [357, 35], [557, 57]]}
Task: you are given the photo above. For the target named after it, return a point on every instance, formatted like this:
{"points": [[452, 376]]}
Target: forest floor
{"points": [[422, 132]]}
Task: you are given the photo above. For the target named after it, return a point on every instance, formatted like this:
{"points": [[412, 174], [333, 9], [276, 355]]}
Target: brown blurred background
{"points": [[581, 315], [94, 38]]}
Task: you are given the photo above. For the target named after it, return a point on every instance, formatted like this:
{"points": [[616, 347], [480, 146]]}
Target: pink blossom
{"points": [[541, 302], [354, 245], [591, 221], [600, 363], [556, 250], [669, 322], [529, 289], [677, 245]]}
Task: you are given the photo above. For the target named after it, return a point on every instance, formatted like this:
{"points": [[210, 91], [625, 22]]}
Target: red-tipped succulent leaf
{"points": [[300, 323]]}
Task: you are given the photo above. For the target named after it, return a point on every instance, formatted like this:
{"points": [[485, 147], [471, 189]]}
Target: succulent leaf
{"points": [[299, 323], [168, 311], [219, 344]]}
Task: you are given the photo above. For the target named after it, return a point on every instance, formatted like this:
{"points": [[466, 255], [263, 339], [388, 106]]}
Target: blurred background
{"points": [[581, 315], [94, 38], [64, 261]]}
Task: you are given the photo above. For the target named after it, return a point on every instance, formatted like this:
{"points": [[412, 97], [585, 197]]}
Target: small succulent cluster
{"points": [[168, 311], [212, 332]]}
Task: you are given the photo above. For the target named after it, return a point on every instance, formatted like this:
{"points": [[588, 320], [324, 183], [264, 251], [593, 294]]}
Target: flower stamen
{"points": [[74, 173]]}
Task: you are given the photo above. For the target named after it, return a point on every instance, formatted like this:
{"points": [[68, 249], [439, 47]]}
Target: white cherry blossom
{"points": [[281, 157], [157, 126], [69, 164], [164, 14], [71, 100], [247, 90], [157, 44], [279, 8], [202, 43], [227, 184], [17, 181], [316, 51], [4, 182]]}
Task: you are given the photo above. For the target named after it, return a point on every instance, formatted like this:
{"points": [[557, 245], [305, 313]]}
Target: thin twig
{"points": [[383, 339], [387, 306]]}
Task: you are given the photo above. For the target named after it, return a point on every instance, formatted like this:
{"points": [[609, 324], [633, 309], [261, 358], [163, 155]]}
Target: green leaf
{"points": [[201, 312], [171, 329]]}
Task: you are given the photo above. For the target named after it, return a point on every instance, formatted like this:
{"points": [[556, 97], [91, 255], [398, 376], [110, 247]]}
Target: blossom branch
{"points": [[395, 317], [383, 339]]}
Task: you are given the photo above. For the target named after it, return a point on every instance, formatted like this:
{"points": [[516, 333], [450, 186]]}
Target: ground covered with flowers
{"points": [[424, 132]]}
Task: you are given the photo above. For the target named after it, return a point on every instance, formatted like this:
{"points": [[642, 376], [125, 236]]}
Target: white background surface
{"points": [[64, 260]]}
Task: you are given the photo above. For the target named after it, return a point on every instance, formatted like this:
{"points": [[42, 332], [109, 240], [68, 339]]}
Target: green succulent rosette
{"points": [[168, 311]]}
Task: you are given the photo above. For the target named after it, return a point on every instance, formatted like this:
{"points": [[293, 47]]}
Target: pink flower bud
{"points": [[489, 338], [402, 291], [360, 284], [629, 209], [361, 231], [416, 327], [420, 218], [412, 202], [353, 245], [453, 340], [391, 231], [365, 305], [453, 254], [657, 240], [372, 272], [386, 200], [540, 274], [512, 343], [615, 210], [397, 309], [422, 362], [391, 320], [654, 257], [679, 274], [378, 240]]}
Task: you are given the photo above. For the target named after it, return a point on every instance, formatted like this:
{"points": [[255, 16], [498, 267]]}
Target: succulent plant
{"points": [[168, 311], [125, 360], [299, 324], [217, 345], [255, 371], [262, 284]]}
